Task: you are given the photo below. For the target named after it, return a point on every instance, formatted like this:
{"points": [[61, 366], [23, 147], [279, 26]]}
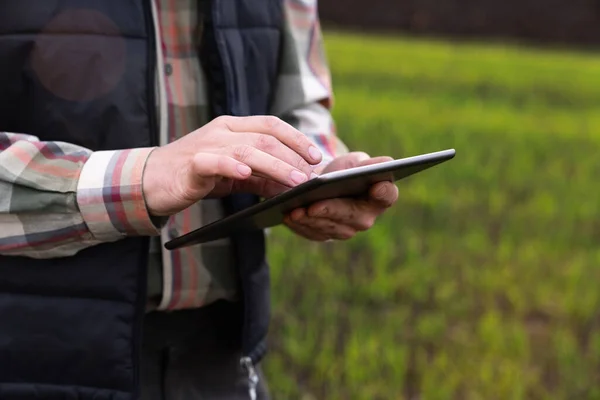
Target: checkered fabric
{"points": [[58, 198]]}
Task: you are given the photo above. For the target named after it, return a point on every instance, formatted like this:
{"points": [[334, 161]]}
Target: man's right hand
{"points": [[261, 155]]}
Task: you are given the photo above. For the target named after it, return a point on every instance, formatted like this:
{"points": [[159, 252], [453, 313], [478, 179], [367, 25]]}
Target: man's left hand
{"points": [[342, 219]]}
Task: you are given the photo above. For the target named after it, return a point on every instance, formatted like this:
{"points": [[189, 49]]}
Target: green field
{"points": [[484, 281]]}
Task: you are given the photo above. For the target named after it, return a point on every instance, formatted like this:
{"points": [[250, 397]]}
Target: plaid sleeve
{"points": [[39, 210], [110, 197], [304, 96]]}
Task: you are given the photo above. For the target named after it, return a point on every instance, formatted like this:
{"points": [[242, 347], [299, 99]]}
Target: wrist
{"points": [[152, 180]]}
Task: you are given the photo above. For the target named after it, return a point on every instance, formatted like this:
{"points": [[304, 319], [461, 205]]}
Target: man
{"points": [[138, 121]]}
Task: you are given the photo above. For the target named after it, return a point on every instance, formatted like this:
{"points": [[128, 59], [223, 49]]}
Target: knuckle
{"points": [[301, 140], [266, 142], [278, 166], [355, 158], [242, 152], [302, 165], [388, 195], [222, 120], [271, 122]]}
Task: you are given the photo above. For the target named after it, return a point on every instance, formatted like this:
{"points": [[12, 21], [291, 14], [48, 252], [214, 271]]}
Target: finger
{"points": [[267, 166], [206, 169], [284, 132], [254, 184], [346, 161], [259, 186], [325, 226], [297, 214], [272, 145], [383, 194], [374, 160], [305, 231], [358, 214], [218, 165]]}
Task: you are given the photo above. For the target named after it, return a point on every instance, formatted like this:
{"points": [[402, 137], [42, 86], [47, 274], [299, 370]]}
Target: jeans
{"points": [[195, 355]]}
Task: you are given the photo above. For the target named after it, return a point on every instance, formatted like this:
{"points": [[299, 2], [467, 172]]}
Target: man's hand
{"points": [[261, 155], [342, 218]]}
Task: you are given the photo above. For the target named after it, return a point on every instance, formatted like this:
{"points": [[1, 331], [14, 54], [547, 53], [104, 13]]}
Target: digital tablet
{"points": [[345, 183]]}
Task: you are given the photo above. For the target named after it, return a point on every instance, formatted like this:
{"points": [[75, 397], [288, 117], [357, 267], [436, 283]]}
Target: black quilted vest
{"points": [[83, 71]]}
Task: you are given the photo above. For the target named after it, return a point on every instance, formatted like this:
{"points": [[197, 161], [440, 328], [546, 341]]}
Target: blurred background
{"points": [[483, 282]]}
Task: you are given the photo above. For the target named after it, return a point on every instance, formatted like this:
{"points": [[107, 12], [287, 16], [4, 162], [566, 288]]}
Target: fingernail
{"points": [[244, 169], [298, 177], [322, 213], [314, 153]]}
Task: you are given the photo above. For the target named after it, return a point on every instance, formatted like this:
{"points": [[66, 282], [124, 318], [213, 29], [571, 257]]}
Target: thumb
{"points": [[350, 160], [207, 167]]}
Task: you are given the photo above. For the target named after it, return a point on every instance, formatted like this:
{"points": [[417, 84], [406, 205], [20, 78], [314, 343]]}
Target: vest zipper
{"points": [[151, 68], [248, 367], [142, 277]]}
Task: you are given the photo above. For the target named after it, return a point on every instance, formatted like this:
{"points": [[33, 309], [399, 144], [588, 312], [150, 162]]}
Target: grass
{"points": [[483, 282]]}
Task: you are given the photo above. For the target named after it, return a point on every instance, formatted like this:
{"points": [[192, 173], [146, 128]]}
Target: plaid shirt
{"points": [[53, 200]]}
